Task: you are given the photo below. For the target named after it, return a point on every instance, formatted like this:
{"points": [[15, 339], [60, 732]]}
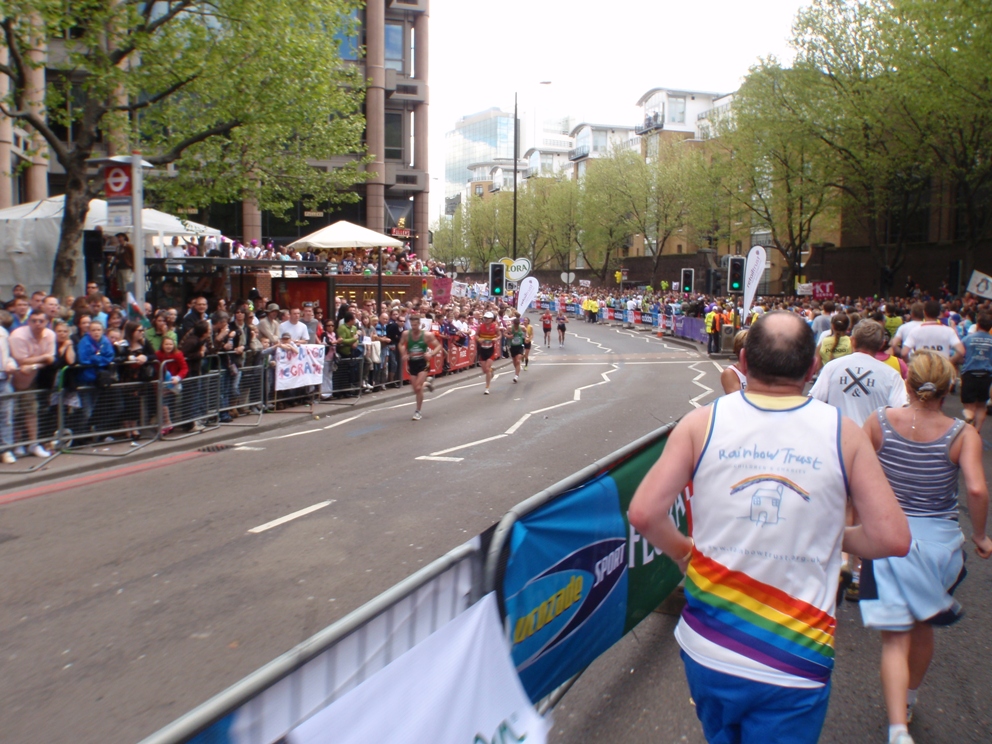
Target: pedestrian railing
{"points": [[29, 419], [540, 560], [242, 395], [117, 419], [267, 704]]}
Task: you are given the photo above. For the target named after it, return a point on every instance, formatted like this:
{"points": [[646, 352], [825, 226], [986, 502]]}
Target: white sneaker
{"points": [[902, 737], [197, 426], [8, 458], [20, 452], [486, 391], [514, 378], [38, 451], [417, 416]]}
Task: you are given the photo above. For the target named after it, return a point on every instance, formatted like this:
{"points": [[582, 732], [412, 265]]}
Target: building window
{"points": [[394, 136], [678, 248], [347, 39], [394, 46], [599, 141], [478, 190], [676, 110]]}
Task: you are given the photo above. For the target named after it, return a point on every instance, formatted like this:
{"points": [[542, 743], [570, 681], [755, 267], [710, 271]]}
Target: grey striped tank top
{"points": [[922, 475]]}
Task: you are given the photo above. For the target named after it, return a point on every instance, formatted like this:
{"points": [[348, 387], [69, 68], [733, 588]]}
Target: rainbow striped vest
{"points": [[767, 518]]}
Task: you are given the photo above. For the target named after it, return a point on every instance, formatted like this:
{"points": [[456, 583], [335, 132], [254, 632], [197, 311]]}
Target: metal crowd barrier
{"points": [[245, 390], [29, 418], [269, 703], [266, 706], [123, 411], [345, 380], [194, 407]]}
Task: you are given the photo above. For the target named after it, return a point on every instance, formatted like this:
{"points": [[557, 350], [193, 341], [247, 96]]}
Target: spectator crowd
{"points": [[81, 352]]}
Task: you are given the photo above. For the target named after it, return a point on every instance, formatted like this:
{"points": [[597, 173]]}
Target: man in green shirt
{"points": [[417, 346]]}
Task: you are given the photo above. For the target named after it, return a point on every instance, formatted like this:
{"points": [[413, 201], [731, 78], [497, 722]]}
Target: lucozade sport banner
{"points": [[578, 577]]}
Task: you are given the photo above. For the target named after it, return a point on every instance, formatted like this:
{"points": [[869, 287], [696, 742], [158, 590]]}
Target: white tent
{"points": [[345, 234], [29, 238]]}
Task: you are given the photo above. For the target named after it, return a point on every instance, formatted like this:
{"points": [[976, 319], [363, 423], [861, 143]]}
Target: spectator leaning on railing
{"points": [[7, 368], [32, 347]]}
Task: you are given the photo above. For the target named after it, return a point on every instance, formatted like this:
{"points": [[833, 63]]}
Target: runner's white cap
{"points": [[488, 315]]}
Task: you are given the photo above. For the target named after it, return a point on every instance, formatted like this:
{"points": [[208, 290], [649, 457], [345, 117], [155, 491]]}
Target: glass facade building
{"points": [[478, 138]]}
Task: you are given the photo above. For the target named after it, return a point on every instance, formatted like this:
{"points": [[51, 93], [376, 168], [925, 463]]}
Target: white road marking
{"points": [[467, 444], [343, 421], [594, 343], [556, 405], [718, 367], [440, 459], [578, 391], [517, 425], [290, 517], [249, 449], [696, 381]]}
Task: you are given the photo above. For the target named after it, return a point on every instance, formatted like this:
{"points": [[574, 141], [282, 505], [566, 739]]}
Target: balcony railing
{"points": [[655, 121], [579, 152]]}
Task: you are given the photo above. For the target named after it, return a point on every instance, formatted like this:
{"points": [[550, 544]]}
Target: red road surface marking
{"points": [[97, 477]]}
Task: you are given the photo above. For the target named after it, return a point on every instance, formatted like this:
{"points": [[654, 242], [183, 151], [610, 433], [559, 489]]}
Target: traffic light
{"points": [[713, 281], [497, 279], [735, 276], [688, 280]]}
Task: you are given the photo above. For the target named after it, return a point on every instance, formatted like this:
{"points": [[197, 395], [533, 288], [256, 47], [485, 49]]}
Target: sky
{"points": [[600, 58]]}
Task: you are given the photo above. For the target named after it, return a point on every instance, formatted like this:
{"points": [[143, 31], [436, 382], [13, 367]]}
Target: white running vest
{"points": [[767, 516]]}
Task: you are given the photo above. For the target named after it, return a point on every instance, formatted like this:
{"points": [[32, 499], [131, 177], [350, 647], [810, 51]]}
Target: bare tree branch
{"points": [[177, 86], [175, 153]]}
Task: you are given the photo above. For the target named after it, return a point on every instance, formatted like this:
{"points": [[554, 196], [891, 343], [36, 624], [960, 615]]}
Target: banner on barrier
{"points": [[578, 577], [422, 697], [305, 366]]}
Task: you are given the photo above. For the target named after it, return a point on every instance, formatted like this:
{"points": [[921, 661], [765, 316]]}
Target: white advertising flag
{"points": [[980, 284], [754, 269], [527, 293], [458, 685]]}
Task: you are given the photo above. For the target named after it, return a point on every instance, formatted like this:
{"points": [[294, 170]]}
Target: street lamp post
{"points": [[516, 156]]}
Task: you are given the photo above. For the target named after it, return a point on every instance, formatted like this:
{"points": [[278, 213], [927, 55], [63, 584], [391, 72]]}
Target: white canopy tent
{"points": [[29, 238], [344, 234]]}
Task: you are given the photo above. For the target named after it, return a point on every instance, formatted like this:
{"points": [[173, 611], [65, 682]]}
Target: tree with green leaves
{"points": [[605, 227], [851, 96], [654, 195], [943, 52], [238, 96], [779, 176]]}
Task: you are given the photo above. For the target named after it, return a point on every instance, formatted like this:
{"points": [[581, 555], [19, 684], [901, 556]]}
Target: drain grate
{"points": [[216, 448]]}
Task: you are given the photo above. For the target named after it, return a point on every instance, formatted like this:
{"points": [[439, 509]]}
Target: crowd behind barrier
{"points": [[94, 370], [540, 560]]}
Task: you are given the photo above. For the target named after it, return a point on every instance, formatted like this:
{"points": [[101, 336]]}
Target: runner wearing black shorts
{"points": [[517, 335], [416, 347], [562, 320], [546, 321], [976, 372], [485, 339], [528, 339]]}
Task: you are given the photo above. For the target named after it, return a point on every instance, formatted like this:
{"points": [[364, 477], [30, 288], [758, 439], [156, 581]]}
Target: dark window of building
{"points": [[394, 136], [394, 46], [679, 248]]}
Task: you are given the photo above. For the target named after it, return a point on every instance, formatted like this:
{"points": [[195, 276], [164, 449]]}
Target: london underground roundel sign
{"points": [[117, 180]]}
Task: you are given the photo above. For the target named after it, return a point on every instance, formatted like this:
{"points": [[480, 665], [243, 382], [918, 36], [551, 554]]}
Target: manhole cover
{"points": [[215, 448]]}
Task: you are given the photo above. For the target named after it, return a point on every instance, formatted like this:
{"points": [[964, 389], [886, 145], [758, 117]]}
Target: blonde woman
{"points": [[732, 378], [922, 451]]}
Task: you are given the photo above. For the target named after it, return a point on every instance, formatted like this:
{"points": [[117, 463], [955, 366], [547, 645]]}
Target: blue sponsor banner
{"points": [[565, 585]]}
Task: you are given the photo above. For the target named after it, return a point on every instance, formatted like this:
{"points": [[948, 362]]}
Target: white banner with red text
{"points": [[299, 367]]}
